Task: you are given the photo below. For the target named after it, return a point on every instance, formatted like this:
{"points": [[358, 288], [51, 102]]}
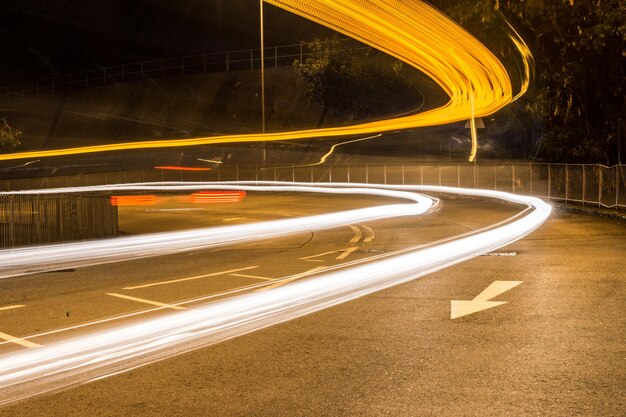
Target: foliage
{"points": [[354, 83], [9, 137], [579, 51]]}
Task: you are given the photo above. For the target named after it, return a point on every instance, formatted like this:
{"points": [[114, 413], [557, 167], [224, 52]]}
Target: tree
{"points": [[579, 51], [9, 137], [357, 83]]}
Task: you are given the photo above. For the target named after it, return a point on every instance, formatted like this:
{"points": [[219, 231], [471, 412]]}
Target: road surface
{"points": [[555, 348]]}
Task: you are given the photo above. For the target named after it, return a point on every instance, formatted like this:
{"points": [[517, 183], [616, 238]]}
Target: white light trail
{"points": [[77, 360], [35, 259]]}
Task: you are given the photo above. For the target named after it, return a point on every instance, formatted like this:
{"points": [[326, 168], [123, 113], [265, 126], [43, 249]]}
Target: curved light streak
{"points": [[52, 257], [100, 354], [409, 30]]}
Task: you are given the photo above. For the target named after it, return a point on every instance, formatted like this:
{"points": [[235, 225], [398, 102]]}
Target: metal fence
{"points": [[37, 219], [595, 185], [248, 59]]}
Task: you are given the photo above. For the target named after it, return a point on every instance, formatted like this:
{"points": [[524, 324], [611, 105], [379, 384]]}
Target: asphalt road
{"points": [[556, 347]]}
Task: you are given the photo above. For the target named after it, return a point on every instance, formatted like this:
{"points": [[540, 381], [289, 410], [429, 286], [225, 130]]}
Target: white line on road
{"points": [[172, 281], [344, 253], [12, 307], [288, 279], [253, 277], [371, 235], [143, 300], [357, 234], [232, 219], [22, 342], [347, 252]]}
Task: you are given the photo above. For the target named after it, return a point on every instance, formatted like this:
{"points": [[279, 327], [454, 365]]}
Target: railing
{"points": [[37, 219], [248, 59], [594, 185]]}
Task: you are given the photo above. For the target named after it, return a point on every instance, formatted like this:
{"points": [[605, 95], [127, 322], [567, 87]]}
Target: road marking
{"points": [[253, 277], [22, 342], [357, 233], [500, 254], [232, 219], [12, 307], [143, 300], [347, 252], [371, 235], [460, 308], [310, 258], [150, 310], [287, 280], [172, 281]]}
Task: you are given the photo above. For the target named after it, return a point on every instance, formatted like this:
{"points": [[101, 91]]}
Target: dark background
{"points": [[41, 39]]}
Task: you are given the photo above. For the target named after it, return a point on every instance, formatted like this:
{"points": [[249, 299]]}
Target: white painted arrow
{"points": [[460, 308]]}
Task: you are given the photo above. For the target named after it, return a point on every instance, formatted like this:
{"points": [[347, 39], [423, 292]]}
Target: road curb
{"points": [[592, 211]]}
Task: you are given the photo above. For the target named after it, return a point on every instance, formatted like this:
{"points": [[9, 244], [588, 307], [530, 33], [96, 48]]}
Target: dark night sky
{"points": [[44, 38]]}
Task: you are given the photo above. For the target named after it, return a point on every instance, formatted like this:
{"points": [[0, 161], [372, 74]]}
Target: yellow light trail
{"points": [[409, 30]]}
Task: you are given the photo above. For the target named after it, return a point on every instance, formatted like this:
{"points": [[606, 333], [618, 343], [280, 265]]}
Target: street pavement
{"points": [[555, 348]]}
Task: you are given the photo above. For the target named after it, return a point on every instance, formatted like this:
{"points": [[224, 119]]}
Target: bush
{"points": [[9, 137]]}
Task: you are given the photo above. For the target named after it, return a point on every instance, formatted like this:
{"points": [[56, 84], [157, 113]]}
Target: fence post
{"points": [[348, 175], [549, 180], [530, 179], [616, 187], [275, 175], [421, 174], [402, 174], [330, 175], [475, 175], [584, 183], [385, 174], [513, 178], [495, 177], [600, 186], [566, 182]]}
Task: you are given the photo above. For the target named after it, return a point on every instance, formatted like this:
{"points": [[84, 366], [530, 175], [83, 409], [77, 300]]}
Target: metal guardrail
{"points": [[594, 185], [247, 59]]}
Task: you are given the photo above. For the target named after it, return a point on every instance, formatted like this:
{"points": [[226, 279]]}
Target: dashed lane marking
{"points": [[21, 342], [370, 234], [291, 278], [357, 233], [344, 253], [12, 307], [347, 252], [143, 300], [173, 281], [253, 277]]}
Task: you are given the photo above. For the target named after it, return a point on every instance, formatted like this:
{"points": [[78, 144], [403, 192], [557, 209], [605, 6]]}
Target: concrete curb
{"points": [[592, 211]]}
